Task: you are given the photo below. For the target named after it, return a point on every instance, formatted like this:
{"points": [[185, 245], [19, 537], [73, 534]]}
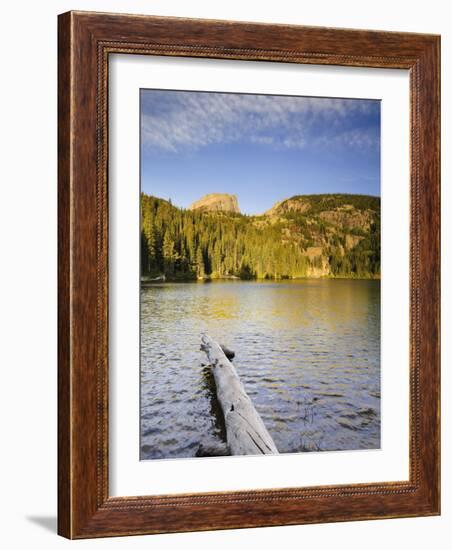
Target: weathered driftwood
{"points": [[221, 449], [145, 279], [245, 431]]}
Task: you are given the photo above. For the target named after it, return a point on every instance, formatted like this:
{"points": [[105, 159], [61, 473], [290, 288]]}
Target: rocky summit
{"points": [[217, 202]]}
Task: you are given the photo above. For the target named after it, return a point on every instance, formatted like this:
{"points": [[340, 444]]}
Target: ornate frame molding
{"points": [[85, 42]]}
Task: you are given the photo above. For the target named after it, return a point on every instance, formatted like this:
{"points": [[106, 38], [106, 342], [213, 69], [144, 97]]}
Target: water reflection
{"points": [[308, 353]]}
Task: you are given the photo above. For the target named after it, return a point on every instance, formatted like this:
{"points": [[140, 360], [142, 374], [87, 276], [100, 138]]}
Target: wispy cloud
{"points": [[360, 138], [175, 121]]}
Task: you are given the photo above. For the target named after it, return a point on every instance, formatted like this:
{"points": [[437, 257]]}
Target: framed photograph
{"points": [[248, 275]]}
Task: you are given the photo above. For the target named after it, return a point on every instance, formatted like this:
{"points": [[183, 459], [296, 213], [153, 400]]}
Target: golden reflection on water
{"points": [[308, 353]]}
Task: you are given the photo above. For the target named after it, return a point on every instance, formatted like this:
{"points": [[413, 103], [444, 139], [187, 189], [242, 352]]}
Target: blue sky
{"points": [[262, 148]]}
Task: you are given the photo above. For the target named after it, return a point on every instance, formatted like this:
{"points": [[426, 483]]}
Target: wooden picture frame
{"points": [[85, 42]]}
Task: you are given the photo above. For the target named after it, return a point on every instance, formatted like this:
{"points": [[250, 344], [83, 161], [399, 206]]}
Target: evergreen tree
{"points": [[200, 268], [169, 255]]}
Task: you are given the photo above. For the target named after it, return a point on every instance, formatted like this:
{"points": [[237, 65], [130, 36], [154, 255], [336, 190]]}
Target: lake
{"points": [[307, 352]]}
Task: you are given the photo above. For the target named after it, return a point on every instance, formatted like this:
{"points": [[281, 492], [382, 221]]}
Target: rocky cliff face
{"points": [[337, 233], [332, 208], [289, 205], [217, 202]]}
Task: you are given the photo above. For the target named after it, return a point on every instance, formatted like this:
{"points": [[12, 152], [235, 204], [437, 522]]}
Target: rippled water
{"points": [[308, 353]]}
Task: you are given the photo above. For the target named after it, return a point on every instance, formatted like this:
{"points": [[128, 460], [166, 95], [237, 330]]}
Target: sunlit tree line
{"points": [[184, 244]]}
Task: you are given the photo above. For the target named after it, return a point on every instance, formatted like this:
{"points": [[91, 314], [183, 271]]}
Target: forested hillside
{"points": [[333, 235]]}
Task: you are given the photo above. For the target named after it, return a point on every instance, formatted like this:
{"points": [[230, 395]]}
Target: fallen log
{"points": [[220, 449], [246, 433]]}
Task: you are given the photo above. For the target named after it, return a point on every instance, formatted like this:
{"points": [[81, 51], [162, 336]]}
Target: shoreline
{"points": [[145, 282]]}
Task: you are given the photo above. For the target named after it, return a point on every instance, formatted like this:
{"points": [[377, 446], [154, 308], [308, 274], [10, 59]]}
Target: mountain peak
{"points": [[216, 202]]}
